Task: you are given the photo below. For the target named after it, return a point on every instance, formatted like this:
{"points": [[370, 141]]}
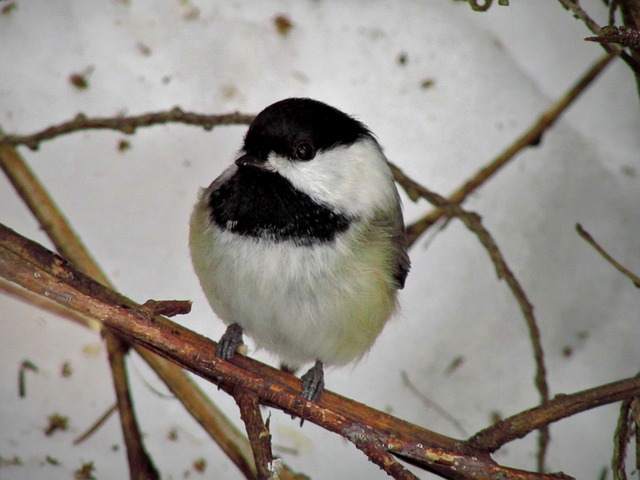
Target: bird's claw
{"points": [[229, 342], [313, 382]]}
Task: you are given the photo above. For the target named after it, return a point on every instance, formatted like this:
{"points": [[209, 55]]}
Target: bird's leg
{"points": [[229, 342], [313, 382]]}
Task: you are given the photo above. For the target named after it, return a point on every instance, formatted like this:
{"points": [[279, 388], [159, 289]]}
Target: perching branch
{"points": [[39, 270]]}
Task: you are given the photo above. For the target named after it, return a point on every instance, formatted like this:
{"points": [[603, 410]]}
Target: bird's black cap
{"points": [[284, 125]]}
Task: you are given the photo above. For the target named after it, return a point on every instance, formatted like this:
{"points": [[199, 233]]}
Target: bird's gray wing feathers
{"points": [[392, 223]]}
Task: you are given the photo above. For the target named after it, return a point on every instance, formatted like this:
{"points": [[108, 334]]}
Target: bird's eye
{"points": [[305, 152]]}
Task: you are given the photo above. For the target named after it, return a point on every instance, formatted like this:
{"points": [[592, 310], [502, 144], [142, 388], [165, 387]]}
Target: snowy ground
{"points": [[489, 76]]}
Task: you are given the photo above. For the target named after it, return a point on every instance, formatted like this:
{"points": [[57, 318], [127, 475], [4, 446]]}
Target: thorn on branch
{"points": [[623, 36], [617, 265], [168, 308]]}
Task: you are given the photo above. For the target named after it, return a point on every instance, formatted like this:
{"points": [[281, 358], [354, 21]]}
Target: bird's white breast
{"points": [[323, 302]]}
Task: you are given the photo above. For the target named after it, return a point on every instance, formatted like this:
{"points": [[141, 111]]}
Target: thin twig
{"points": [[562, 406], [620, 440], [617, 265], [430, 403], [531, 137], [127, 125], [96, 425], [474, 223]]}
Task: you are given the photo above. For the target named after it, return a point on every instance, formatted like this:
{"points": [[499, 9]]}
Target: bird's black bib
{"points": [[265, 205]]}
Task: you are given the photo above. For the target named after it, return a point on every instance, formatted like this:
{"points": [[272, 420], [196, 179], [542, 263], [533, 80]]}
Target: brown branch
{"points": [[35, 268], [127, 125], [140, 464], [562, 406], [617, 265], [257, 431], [377, 453], [531, 137]]}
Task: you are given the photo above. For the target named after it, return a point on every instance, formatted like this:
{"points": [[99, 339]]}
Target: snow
{"points": [[493, 74]]}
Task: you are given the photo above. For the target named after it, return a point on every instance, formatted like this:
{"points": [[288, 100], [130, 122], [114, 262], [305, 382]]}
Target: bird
{"points": [[300, 243]]}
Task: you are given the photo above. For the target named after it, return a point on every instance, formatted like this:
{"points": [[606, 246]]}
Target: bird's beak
{"points": [[251, 162]]}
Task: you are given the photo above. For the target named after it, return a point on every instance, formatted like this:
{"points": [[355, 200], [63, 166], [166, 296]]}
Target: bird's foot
{"points": [[229, 342], [313, 382]]}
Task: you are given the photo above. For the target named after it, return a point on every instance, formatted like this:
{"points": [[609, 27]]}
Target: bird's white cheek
{"points": [[355, 180]]}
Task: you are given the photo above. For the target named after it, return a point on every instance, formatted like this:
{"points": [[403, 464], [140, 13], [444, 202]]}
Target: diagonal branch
{"points": [[562, 406], [35, 268]]}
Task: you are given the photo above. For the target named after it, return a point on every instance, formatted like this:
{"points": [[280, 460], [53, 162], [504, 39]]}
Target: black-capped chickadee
{"points": [[300, 242]]}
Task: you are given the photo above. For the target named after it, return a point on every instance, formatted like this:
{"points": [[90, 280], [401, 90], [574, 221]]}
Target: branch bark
{"points": [[258, 433], [562, 406]]}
